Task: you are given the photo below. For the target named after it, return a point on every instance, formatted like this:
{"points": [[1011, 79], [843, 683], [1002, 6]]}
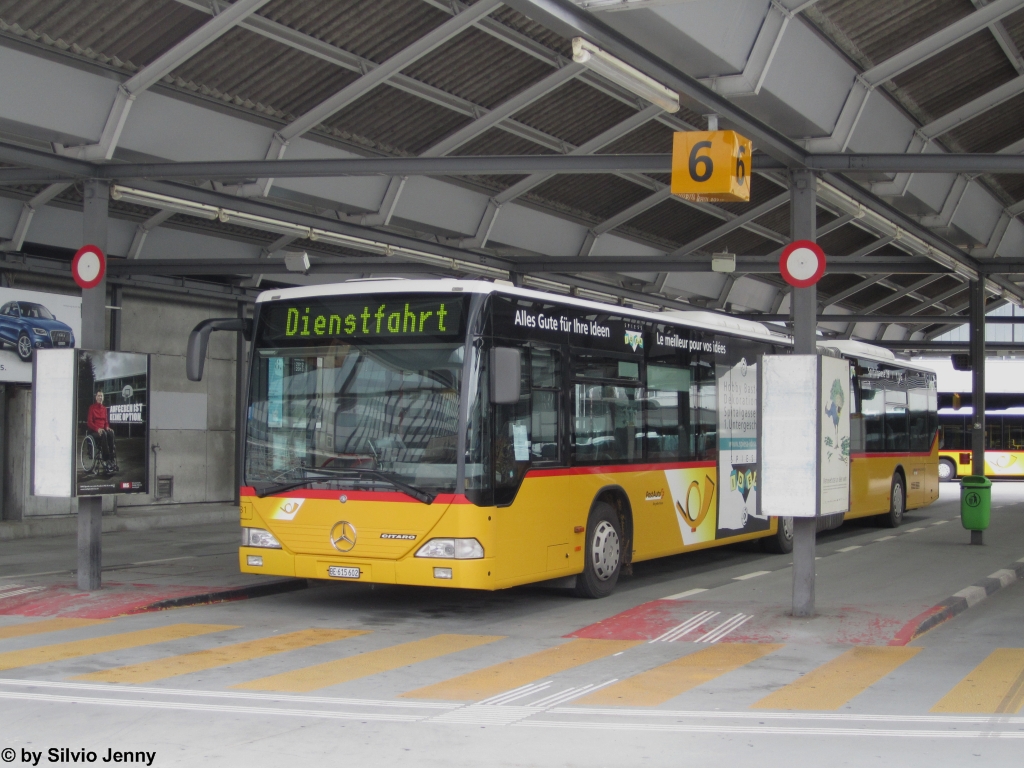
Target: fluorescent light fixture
{"points": [[266, 224], [164, 202], [621, 73]]}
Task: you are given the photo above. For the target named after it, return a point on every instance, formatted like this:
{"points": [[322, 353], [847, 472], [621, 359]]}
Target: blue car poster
{"points": [[33, 320]]}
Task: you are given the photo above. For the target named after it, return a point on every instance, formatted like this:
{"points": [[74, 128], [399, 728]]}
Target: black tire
{"points": [[24, 348], [602, 561], [897, 503], [782, 542], [947, 470]]}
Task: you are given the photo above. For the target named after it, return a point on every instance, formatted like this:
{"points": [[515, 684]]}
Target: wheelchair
{"points": [[91, 457]]}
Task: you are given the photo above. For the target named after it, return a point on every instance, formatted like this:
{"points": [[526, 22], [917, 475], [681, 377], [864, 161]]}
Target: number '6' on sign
{"points": [[711, 166]]}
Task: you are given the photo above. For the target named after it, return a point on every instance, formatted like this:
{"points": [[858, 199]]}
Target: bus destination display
{"points": [[362, 318]]}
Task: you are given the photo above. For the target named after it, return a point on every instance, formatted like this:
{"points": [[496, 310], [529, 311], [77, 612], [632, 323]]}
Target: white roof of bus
{"points": [[697, 319], [710, 321]]}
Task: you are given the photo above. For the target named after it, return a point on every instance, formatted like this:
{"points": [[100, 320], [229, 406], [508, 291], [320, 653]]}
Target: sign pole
{"points": [[804, 309], [94, 303], [977, 344]]}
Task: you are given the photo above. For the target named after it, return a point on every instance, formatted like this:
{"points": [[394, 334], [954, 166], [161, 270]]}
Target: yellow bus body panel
{"points": [[539, 536]]}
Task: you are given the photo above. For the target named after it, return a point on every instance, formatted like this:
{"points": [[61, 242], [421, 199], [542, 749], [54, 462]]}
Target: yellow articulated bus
{"points": [[1004, 443], [469, 434]]}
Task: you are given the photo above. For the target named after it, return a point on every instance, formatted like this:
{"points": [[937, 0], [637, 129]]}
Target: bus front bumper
{"points": [[417, 571]]}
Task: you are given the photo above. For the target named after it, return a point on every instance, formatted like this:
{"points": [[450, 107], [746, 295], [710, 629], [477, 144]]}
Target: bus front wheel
{"points": [[947, 470], [603, 553], [897, 503]]}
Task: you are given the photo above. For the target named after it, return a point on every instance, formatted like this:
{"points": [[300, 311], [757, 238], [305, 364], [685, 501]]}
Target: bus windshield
{"points": [[357, 390], [388, 408]]}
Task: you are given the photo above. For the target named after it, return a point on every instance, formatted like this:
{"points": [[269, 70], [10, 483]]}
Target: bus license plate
{"points": [[342, 572]]}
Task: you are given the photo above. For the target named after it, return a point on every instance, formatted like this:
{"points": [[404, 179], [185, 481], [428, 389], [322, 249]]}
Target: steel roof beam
{"points": [[973, 108], [721, 231], [856, 318], [761, 265], [436, 164]]}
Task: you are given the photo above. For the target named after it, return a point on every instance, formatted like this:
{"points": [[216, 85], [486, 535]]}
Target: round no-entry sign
{"points": [[88, 266], [802, 263]]}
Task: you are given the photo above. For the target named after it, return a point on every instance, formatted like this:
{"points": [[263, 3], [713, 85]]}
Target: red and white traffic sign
{"points": [[802, 263], [89, 266]]}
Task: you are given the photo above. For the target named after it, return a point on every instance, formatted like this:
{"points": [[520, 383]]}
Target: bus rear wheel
{"points": [[897, 503], [947, 470], [602, 553], [782, 542]]}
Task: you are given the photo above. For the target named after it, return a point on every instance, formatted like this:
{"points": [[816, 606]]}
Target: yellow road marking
{"points": [[172, 666], [996, 685], [47, 625], [365, 664], [491, 681], [45, 654], [833, 684], [658, 685]]}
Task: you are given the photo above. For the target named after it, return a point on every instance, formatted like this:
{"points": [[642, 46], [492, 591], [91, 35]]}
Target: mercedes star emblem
{"points": [[343, 536]]}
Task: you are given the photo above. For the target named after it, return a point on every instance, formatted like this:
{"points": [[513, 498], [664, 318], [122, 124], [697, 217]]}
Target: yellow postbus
{"points": [[894, 460], [1004, 443], [469, 434]]}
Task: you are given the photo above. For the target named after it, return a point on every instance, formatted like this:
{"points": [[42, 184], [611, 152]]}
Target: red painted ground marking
{"points": [[769, 623], [644, 622], [906, 632], [113, 600]]}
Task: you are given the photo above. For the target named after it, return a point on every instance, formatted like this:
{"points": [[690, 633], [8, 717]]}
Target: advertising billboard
{"points": [[30, 321], [111, 423]]}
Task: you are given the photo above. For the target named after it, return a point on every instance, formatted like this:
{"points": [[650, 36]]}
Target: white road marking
{"points": [[753, 575], [569, 694], [25, 591], [913, 530], [784, 715], [885, 538], [687, 593], [775, 730], [516, 693], [686, 627], [725, 628], [849, 549], [104, 688], [940, 522]]}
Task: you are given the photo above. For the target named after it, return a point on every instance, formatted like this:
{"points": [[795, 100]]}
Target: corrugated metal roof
{"points": [[956, 76], [574, 112], [879, 29], [993, 130], [594, 196]]}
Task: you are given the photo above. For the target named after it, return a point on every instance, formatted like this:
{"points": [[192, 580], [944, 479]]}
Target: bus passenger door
{"points": [[531, 494]]}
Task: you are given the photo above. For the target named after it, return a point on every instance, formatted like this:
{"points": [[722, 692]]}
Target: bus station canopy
{"points": [[419, 137]]}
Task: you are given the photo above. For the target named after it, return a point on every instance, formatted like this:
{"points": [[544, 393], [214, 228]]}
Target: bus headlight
{"points": [[257, 537], [452, 549]]}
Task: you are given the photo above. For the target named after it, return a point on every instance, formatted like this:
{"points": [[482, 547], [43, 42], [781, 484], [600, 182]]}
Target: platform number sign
{"points": [[711, 166]]}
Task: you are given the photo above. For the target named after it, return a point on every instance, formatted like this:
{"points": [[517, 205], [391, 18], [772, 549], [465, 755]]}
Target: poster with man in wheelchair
{"points": [[113, 429]]}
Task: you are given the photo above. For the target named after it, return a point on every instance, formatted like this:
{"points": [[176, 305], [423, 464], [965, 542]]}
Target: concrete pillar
{"points": [[94, 315], [804, 303]]}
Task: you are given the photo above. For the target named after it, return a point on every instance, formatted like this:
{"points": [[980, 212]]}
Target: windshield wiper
{"points": [[410, 490]]}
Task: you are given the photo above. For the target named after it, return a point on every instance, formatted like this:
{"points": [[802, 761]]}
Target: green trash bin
{"points": [[975, 502]]}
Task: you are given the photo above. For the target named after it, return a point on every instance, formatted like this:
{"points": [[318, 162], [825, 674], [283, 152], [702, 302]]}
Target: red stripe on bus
{"points": [[615, 468], [311, 493]]}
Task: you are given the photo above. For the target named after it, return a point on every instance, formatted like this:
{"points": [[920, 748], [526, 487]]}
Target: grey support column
{"points": [[977, 343], [804, 309], [94, 322]]}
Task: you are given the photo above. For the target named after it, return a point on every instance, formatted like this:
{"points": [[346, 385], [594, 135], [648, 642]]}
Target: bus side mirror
{"points": [[506, 363], [199, 341]]}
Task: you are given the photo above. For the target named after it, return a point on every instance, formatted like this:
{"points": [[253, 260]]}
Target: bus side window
{"points": [[608, 413], [667, 413], [1013, 433], [897, 428], [921, 429], [873, 409]]}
